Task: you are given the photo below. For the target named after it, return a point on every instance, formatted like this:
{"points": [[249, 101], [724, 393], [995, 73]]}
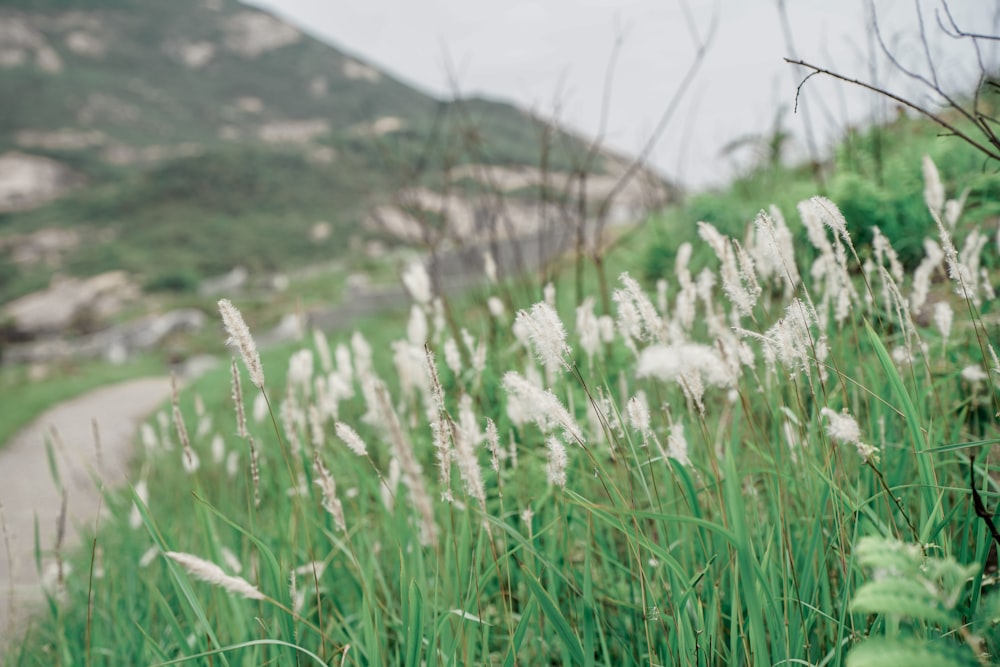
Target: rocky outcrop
{"points": [[356, 71], [28, 180], [21, 44], [250, 34], [293, 131], [69, 304], [45, 247], [115, 344]]}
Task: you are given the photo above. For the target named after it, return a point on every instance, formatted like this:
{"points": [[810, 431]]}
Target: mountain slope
{"points": [[176, 139]]}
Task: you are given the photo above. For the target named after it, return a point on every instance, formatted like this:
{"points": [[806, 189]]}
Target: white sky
{"points": [[542, 53]]}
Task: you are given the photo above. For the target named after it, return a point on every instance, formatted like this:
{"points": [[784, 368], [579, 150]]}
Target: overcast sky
{"points": [[547, 55]]}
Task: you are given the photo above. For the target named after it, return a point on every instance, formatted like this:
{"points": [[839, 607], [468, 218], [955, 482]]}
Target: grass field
{"points": [[763, 462]]}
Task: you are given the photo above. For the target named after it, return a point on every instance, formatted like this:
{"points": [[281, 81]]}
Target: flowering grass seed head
{"points": [[213, 574], [239, 337], [547, 335]]}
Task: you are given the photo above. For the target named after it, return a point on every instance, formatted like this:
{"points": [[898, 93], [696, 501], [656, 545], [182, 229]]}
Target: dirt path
{"points": [[27, 488]]}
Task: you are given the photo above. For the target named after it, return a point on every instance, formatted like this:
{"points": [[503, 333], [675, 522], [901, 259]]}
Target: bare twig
{"points": [[957, 32], [993, 153]]}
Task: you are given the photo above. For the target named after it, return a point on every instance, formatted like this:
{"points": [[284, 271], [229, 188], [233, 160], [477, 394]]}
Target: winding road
{"points": [[28, 490]]}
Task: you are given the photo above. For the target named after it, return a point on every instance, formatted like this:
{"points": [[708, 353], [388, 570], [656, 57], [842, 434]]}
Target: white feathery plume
{"points": [[477, 351], [410, 368], [557, 460], [239, 336], [300, 370], [351, 438], [547, 335], [774, 250], [218, 449], [493, 444], [790, 339], [637, 409], [147, 434], [453, 356], [412, 473], [943, 317], [322, 346], [232, 463], [142, 491], [316, 432], [974, 374], [259, 408], [739, 281], [241, 417], [342, 355], [529, 402], [933, 256], [933, 188], [466, 439], [843, 429], [416, 327], [362, 359], [327, 486], [232, 562], [418, 283], [213, 574], [606, 326], [677, 445], [496, 308], [637, 317], [953, 209], [671, 363], [587, 330], [662, 302], [549, 295], [681, 261], [490, 267]]}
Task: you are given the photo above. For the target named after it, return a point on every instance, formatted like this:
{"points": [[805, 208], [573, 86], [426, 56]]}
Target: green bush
{"points": [[180, 281]]}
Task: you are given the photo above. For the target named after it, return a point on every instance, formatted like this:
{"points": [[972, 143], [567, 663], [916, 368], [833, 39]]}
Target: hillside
{"points": [[177, 139]]}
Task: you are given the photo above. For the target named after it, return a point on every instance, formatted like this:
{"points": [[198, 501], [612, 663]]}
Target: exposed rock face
{"points": [[30, 180], [115, 344], [463, 218], [360, 72], [249, 34], [70, 303], [378, 127], [86, 44], [20, 44], [293, 131], [46, 246], [226, 283], [66, 139], [193, 55]]}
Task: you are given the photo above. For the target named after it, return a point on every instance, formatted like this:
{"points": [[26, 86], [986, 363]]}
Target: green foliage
{"points": [[173, 280], [925, 591]]}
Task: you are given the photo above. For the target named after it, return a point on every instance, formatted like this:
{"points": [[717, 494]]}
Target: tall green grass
{"points": [[722, 528]]}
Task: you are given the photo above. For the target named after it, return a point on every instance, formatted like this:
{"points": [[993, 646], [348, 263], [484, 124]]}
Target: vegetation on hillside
{"points": [[249, 199]]}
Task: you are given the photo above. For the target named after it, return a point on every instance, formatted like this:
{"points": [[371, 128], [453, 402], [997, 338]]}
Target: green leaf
{"points": [[414, 625], [903, 597], [925, 469], [519, 632], [910, 652], [559, 622], [954, 447]]}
